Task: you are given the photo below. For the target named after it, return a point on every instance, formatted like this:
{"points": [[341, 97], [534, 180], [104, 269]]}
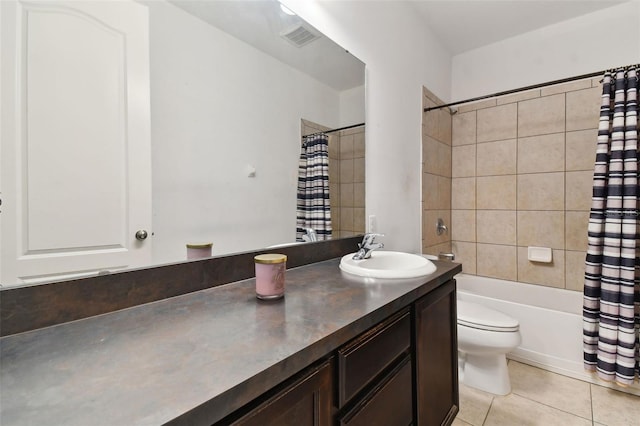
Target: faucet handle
{"points": [[372, 235], [369, 238]]}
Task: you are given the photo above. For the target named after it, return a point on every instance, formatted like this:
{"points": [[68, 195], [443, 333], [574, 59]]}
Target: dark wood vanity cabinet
{"points": [[436, 356], [306, 400], [402, 371]]}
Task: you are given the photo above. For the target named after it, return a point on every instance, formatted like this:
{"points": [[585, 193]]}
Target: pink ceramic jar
{"points": [[199, 250], [270, 271]]}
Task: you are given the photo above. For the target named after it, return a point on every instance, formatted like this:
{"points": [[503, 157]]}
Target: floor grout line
{"points": [[593, 419], [486, 416], [560, 409], [495, 398]]}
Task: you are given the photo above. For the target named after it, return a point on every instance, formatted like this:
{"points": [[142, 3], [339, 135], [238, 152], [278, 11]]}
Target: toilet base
{"points": [[486, 372]]}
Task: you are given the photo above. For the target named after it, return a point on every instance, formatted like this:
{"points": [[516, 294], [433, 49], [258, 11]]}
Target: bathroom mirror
{"points": [[231, 83]]}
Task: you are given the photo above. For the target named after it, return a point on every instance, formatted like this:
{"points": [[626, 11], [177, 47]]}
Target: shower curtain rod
{"points": [[522, 89], [334, 130]]}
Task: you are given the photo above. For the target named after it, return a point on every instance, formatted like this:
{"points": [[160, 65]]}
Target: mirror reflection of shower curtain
{"points": [[313, 205], [612, 278]]}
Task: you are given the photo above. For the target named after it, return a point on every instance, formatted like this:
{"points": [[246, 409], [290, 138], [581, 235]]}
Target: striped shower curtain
{"points": [[313, 208], [611, 311]]}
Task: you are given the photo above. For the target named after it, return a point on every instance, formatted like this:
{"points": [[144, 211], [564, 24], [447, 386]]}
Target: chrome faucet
{"points": [[367, 246], [310, 235]]}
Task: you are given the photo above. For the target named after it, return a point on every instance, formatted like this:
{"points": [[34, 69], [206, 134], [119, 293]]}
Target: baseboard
{"points": [[567, 368]]}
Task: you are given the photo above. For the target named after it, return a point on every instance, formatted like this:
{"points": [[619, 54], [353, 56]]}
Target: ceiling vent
{"points": [[299, 35]]}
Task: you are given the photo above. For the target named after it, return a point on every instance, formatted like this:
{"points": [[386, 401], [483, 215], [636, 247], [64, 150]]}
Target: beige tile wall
{"points": [[437, 170], [522, 168], [346, 178], [351, 209]]}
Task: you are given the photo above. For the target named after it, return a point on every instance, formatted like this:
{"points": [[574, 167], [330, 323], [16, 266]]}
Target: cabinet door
{"points": [[307, 401], [436, 356], [388, 404]]}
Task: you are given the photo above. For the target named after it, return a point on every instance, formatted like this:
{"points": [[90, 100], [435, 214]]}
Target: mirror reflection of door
{"points": [[76, 175], [225, 117]]}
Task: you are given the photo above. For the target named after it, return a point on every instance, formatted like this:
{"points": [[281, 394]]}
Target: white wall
{"points": [[352, 107], [401, 56], [211, 119], [583, 45]]}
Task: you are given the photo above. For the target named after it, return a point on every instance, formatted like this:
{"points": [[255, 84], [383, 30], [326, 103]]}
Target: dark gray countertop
{"points": [[195, 358]]}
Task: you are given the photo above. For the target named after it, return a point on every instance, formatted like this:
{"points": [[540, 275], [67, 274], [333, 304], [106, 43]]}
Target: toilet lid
{"points": [[478, 316]]}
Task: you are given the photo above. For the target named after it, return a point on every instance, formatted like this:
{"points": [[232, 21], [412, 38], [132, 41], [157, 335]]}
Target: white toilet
{"points": [[485, 336]]}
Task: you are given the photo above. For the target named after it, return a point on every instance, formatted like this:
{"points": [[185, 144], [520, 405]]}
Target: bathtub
{"points": [[550, 323]]}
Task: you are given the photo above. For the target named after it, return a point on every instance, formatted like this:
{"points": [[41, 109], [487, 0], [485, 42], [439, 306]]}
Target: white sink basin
{"points": [[388, 264]]}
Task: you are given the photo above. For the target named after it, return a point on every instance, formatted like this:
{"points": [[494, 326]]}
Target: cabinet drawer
{"points": [[390, 404], [360, 361]]}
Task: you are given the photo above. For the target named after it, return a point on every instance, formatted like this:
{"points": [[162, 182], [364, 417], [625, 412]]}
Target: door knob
{"points": [[141, 235]]}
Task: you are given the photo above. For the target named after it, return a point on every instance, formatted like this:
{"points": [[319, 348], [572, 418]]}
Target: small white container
{"points": [[270, 275]]}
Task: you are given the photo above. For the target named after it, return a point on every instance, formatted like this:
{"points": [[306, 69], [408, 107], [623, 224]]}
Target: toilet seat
{"points": [[483, 318]]}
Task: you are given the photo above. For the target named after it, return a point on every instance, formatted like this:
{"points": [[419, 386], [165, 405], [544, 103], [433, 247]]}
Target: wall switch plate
{"points": [[372, 225]]}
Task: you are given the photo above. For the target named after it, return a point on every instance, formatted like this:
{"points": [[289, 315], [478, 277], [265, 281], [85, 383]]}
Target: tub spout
{"points": [[447, 256]]}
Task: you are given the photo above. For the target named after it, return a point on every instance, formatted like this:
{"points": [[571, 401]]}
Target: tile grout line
{"points": [[493, 398], [564, 211], [556, 408], [486, 416], [593, 420], [517, 266], [475, 200]]}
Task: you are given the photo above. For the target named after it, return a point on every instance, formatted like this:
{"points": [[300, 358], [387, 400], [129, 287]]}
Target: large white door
{"points": [[75, 148]]}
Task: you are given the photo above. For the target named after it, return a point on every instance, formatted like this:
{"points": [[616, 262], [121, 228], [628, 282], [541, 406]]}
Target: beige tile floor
{"points": [[540, 397]]}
